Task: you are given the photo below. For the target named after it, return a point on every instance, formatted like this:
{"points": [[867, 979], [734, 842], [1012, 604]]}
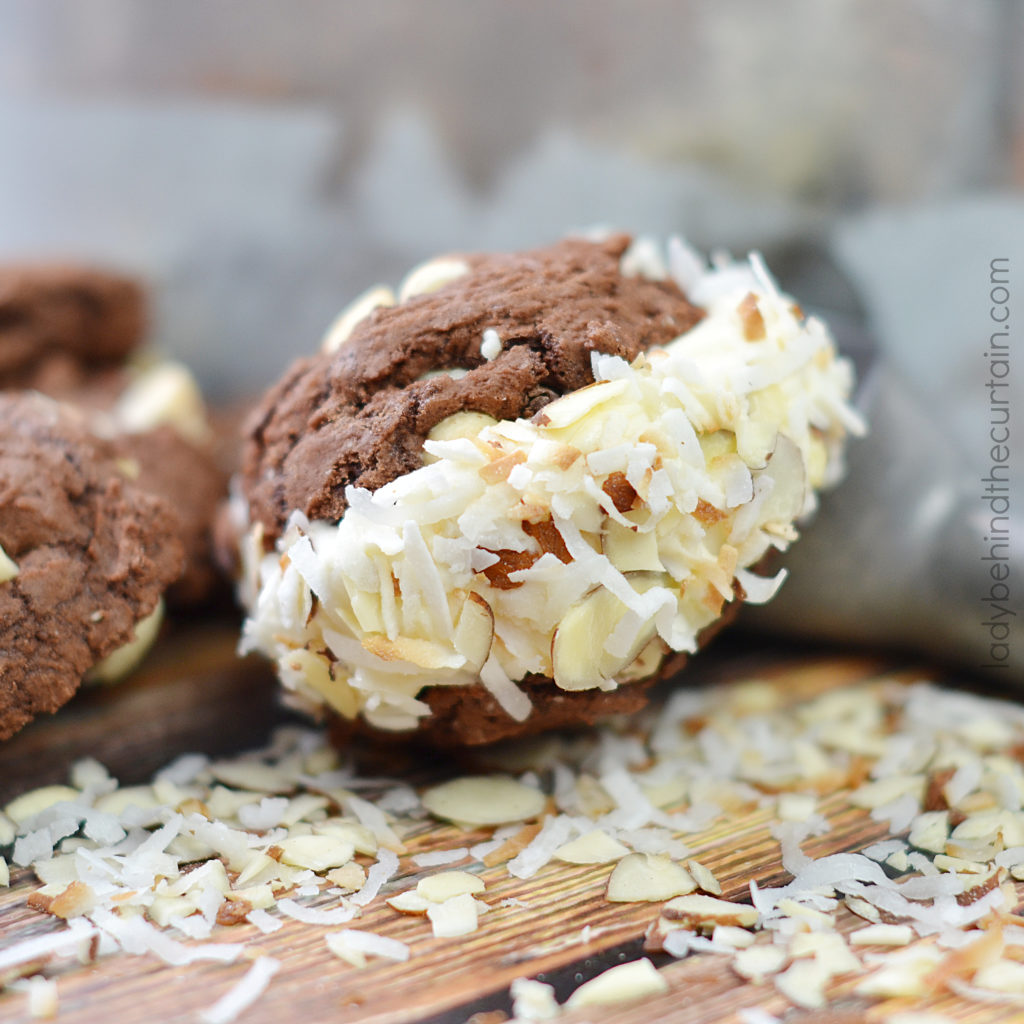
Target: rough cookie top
{"points": [[359, 416], [84, 554], [65, 313]]}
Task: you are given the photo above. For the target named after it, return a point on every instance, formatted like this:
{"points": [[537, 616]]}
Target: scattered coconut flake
{"points": [[435, 858], [553, 834], [353, 945], [315, 915], [263, 921], [380, 871], [638, 979], [243, 994]]}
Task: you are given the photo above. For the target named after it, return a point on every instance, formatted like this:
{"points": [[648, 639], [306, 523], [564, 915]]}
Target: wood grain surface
{"points": [[194, 694]]}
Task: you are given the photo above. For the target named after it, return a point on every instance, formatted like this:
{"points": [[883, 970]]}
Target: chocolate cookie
{"points": [[87, 316], [67, 332], [84, 554], [529, 486], [359, 415]]}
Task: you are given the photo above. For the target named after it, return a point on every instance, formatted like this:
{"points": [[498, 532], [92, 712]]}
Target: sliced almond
{"points": [[883, 935], [317, 853], [34, 802], [803, 983], [77, 899], [702, 913], [431, 275], [410, 902], [474, 631], [8, 567], [166, 393], [579, 660], [484, 800], [345, 322], [446, 884], [349, 878], [455, 917], [1001, 976], [759, 962], [929, 831], [648, 878], [595, 847], [704, 878], [639, 979]]}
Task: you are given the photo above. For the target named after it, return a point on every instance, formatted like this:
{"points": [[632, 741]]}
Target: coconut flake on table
{"points": [[243, 994]]}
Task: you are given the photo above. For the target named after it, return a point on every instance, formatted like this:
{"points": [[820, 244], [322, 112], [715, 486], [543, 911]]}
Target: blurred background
{"points": [[260, 162]]}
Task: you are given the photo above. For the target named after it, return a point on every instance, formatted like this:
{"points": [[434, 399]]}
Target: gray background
{"points": [[260, 162]]}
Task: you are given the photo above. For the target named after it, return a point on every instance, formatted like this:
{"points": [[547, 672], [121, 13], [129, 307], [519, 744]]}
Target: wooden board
{"points": [[195, 695]]}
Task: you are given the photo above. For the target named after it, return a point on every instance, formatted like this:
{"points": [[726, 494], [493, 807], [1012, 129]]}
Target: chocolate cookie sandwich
{"points": [[73, 333], [521, 490], [85, 555]]}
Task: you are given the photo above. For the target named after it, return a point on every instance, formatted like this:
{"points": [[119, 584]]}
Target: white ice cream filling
{"points": [[653, 492]]}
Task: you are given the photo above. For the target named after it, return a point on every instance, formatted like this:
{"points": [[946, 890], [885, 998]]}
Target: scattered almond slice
{"points": [[704, 878], [317, 853], [596, 847], [639, 979], [803, 983], [349, 878], [410, 902], [650, 878], [444, 885], [28, 805], [883, 935], [456, 916], [484, 800], [759, 962], [703, 913], [533, 1000]]}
